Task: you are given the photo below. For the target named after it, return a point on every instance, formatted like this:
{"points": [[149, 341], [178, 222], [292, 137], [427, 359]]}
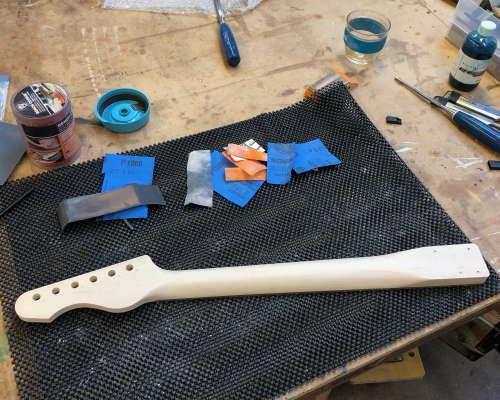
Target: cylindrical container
{"points": [[474, 57], [44, 117], [365, 35], [123, 110]]}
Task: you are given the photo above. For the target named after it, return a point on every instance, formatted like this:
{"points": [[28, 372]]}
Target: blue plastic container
{"points": [[123, 110], [474, 57]]}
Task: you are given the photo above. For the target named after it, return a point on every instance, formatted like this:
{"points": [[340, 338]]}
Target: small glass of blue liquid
{"points": [[365, 35]]}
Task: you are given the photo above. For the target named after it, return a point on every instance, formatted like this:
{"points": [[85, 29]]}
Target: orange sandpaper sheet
{"points": [[249, 166], [245, 152], [237, 174]]}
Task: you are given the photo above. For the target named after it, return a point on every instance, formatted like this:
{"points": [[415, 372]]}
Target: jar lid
{"points": [[123, 110]]}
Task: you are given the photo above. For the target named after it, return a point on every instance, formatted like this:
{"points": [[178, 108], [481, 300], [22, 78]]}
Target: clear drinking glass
{"points": [[365, 35]]}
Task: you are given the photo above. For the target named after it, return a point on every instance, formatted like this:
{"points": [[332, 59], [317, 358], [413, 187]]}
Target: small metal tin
{"points": [[123, 110]]}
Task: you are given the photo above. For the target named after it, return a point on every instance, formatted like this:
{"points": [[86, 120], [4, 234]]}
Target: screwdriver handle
{"points": [[229, 45], [479, 130]]}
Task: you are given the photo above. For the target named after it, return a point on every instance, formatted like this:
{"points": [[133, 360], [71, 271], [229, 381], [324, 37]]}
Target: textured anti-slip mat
{"points": [[234, 348]]}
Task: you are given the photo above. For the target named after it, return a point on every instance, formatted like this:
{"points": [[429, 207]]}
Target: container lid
{"points": [[123, 110], [487, 28]]}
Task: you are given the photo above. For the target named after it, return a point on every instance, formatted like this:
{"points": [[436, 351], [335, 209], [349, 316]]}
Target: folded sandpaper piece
{"points": [[279, 162], [199, 179], [239, 192], [95, 205], [312, 155], [251, 144], [12, 148], [120, 170], [302, 157]]}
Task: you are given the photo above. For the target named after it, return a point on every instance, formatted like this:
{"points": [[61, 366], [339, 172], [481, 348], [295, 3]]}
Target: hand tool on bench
{"points": [[470, 104], [127, 285], [476, 128], [454, 107], [227, 38]]}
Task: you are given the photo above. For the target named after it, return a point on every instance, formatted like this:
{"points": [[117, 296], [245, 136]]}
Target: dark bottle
{"points": [[474, 57]]}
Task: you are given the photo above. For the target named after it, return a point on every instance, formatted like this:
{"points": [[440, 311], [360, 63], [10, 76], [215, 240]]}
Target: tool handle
{"points": [[479, 130], [229, 45]]}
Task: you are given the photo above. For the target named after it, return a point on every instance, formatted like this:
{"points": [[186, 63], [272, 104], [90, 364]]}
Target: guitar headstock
{"points": [[117, 288]]}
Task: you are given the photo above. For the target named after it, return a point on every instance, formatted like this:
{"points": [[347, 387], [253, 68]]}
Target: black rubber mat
{"points": [[237, 348]]}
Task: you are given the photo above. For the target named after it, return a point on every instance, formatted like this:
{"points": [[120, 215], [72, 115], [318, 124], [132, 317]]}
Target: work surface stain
{"points": [[4, 348]]}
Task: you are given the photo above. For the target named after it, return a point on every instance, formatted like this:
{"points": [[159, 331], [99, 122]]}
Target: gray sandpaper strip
{"points": [[95, 205], [12, 148]]}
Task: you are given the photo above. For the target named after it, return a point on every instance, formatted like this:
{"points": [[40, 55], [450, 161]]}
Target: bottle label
{"points": [[468, 70]]}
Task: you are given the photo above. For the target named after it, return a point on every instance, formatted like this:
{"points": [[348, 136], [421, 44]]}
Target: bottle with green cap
{"points": [[474, 57]]}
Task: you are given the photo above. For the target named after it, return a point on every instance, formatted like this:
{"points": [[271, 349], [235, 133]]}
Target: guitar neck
{"points": [[125, 286], [428, 266]]}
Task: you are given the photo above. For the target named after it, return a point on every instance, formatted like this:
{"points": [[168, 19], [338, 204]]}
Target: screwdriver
{"points": [[227, 39], [476, 128]]}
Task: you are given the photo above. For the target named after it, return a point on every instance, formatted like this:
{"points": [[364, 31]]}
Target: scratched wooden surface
{"points": [[285, 45]]}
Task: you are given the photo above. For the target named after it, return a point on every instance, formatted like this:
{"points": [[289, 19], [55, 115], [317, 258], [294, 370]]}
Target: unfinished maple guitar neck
{"points": [[127, 285]]}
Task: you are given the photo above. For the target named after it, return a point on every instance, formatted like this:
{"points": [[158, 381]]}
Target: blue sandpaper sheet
{"points": [[239, 192], [119, 165], [303, 157], [123, 170], [279, 162], [311, 155]]}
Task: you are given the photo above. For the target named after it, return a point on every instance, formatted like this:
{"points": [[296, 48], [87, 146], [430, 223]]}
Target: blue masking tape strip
{"points": [[279, 162], [123, 170], [239, 192], [311, 155]]}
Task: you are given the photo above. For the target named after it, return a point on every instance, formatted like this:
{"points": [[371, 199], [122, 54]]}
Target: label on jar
{"points": [[468, 70], [52, 144], [40, 100]]}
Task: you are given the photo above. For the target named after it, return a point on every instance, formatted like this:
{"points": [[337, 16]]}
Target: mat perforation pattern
{"points": [[237, 348]]}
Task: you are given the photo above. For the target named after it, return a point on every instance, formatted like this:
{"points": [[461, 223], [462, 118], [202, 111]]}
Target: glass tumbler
{"points": [[365, 35]]}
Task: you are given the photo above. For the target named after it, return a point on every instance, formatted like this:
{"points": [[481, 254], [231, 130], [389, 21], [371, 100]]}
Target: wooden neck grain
{"points": [[429, 266], [127, 285]]}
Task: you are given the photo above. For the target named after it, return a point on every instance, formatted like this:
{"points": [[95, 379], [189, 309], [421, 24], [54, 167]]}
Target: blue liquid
{"points": [[478, 47], [363, 46]]}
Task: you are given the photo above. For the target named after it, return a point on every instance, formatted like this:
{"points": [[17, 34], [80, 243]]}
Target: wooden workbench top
{"points": [[285, 45]]}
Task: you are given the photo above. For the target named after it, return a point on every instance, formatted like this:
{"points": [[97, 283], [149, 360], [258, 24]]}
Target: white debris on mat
{"points": [[199, 179], [182, 6]]}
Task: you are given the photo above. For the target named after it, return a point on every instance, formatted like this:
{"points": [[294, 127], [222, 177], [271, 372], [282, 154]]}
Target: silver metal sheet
{"points": [[12, 148]]}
